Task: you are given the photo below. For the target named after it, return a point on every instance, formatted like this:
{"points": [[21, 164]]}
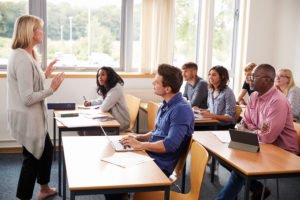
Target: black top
{"points": [[246, 86]]}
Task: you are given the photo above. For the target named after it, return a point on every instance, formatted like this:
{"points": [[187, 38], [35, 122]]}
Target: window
{"points": [[128, 35], [136, 52], [9, 11], [186, 13], [84, 33], [223, 33]]}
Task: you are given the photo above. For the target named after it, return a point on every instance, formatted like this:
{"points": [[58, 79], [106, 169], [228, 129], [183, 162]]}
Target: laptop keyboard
{"points": [[118, 145]]}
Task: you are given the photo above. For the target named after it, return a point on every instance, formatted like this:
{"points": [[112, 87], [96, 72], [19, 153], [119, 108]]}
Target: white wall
{"points": [[274, 31]]}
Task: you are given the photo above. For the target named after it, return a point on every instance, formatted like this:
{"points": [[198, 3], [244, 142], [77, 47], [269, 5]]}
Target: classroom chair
{"points": [[297, 128], [133, 104], [199, 158], [152, 109]]}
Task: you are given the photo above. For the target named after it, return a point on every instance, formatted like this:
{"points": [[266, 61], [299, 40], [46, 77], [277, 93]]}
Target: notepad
{"points": [[126, 159], [223, 136]]}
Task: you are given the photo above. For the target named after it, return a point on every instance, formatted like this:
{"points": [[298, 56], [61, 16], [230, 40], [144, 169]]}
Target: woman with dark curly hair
{"points": [[221, 99], [110, 90]]}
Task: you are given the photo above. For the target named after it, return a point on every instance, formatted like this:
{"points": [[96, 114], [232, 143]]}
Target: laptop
{"points": [[243, 140], [116, 145]]}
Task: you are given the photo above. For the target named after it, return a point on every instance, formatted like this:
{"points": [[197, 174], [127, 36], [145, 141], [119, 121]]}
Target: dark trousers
{"points": [[34, 169]]}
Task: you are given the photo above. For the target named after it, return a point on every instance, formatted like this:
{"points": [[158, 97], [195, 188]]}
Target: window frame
{"points": [[39, 8]]}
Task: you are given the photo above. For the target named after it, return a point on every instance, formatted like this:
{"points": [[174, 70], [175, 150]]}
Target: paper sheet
{"points": [[223, 136], [126, 159], [72, 122]]}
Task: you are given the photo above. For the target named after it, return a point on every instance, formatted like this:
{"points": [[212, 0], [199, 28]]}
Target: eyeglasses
{"points": [[253, 78], [281, 76]]}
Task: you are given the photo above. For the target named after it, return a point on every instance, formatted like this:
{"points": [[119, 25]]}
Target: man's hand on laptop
{"points": [[131, 141]]}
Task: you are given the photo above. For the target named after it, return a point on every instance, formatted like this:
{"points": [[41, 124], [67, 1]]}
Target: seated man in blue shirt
{"points": [[174, 122]]}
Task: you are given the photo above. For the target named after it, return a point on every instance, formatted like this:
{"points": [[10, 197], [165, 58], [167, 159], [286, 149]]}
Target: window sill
{"points": [[93, 75]]}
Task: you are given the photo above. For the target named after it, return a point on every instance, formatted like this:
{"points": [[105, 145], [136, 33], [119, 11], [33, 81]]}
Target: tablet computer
{"points": [[243, 140]]}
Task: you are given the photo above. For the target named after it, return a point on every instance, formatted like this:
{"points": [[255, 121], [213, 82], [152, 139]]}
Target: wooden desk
{"points": [[270, 162], [200, 123], [87, 174], [109, 126]]}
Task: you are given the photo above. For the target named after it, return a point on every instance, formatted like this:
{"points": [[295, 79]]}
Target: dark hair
{"points": [[190, 65], [112, 79], [171, 75], [223, 73]]}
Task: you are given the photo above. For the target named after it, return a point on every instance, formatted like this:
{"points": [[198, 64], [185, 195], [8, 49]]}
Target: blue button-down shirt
{"points": [[174, 125]]}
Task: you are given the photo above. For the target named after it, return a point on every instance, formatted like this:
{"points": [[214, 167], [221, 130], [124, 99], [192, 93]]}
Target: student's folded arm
{"points": [[247, 119], [275, 118]]}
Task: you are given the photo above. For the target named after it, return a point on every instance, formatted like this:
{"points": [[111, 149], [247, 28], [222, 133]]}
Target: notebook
{"points": [[242, 140], [116, 145]]}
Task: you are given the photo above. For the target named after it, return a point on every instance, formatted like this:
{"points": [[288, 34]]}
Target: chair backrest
{"points": [[199, 158], [180, 164], [297, 127], [238, 111], [152, 109], [133, 104]]}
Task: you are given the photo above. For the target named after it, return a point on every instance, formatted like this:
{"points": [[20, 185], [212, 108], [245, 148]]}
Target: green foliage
{"points": [[9, 11], [186, 28]]}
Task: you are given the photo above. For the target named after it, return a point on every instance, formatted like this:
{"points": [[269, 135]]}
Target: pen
{"points": [[84, 98]]}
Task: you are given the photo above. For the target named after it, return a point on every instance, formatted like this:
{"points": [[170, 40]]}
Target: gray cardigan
{"points": [[115, 104], [27, 113]]}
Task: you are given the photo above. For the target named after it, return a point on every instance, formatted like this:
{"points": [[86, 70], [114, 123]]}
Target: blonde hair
{"points": [[24, 32], [289, 74], [249, 67]]}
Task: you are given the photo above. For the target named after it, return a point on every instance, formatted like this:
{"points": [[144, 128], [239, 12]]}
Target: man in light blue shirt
{"points": [[174, 123]]}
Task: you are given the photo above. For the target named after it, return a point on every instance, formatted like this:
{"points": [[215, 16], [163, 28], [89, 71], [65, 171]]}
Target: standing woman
{"points": [[27, 113], [112, 99], [220, 100], [285, 83]]}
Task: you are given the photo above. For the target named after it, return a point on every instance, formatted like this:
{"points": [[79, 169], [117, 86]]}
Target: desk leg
{"points": [[183, 179], [247, 186], [167, 193], [212, 169], [54, 137], [59, 162], [64, 178]]}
